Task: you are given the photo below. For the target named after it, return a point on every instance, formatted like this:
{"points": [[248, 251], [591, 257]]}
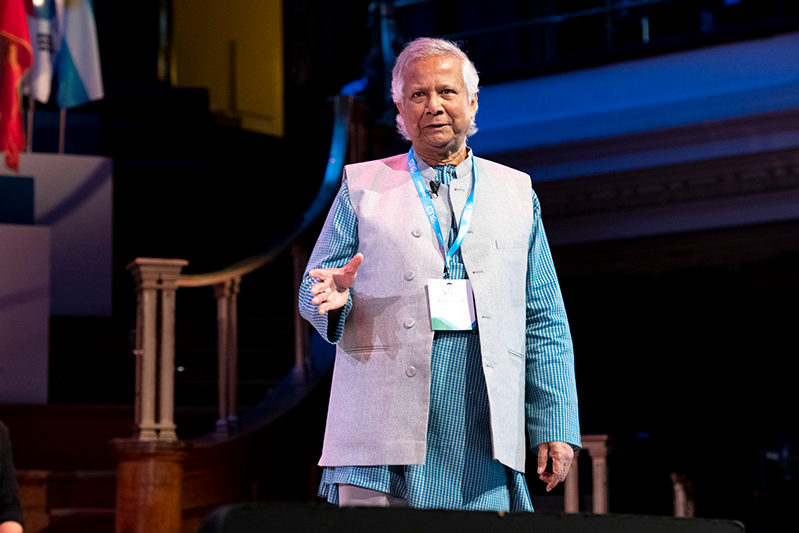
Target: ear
{"points": [[399, 108], [473, 106]]}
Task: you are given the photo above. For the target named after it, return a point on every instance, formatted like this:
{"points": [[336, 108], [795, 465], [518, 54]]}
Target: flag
{"points": [[43, 26], [77, 62], [17, 56]]}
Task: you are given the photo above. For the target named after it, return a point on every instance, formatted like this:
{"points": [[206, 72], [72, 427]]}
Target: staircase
{"points": [[211, 208], [68, 502], [65, 468]]}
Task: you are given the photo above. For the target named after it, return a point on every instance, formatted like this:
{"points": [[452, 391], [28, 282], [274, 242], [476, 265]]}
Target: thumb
{"points": [[352, 267]]}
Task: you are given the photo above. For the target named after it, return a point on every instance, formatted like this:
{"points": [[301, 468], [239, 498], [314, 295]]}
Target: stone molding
{"points": [[735, 176]]}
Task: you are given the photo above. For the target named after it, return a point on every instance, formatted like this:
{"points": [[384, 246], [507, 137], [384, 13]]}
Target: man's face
{"points": [[435, 108]]}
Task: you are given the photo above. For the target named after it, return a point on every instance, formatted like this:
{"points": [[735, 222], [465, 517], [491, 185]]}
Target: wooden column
{"points": [[302, 352], [149, 494], [597, 448], [683, 496], [571, 488], [156, 283], [226, 294]]}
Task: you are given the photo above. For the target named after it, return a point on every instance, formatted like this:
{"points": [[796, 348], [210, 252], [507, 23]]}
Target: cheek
{"points": [[412, 119]]}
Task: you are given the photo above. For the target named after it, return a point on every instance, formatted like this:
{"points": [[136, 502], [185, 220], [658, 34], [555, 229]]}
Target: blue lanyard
{"points": [[430, 211]]}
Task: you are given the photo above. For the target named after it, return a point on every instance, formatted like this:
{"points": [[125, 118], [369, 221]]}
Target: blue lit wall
{"points": [[709, 84]]}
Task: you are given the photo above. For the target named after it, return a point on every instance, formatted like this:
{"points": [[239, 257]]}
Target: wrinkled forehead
{"points": [[436, 67]]}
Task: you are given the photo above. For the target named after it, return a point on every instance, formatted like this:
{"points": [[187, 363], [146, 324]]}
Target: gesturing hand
{"points": [[562, 455], [332, 289]]}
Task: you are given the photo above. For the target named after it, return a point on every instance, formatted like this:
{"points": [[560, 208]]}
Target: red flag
{"points": [[17, 58]]}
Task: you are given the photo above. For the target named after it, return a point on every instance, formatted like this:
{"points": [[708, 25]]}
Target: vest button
{"points": [[409, 275], [416, 233], [409, 323], [410, 371]]}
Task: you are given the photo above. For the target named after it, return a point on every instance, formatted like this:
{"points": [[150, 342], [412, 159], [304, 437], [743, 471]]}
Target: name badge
{"points": [[451, 304]]}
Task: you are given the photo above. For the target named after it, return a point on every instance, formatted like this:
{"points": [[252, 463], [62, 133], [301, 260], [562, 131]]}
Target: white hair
{"points": [[424, 48]]}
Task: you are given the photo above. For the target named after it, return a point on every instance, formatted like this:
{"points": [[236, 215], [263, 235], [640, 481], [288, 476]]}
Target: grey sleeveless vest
{"points": [[381, 382]]}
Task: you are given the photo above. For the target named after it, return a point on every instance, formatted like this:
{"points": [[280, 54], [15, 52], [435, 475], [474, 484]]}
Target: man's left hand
{"points": [[562, 455]]}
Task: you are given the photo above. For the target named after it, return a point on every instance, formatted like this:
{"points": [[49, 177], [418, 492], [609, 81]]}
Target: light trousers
{"points": [[355, 496]]}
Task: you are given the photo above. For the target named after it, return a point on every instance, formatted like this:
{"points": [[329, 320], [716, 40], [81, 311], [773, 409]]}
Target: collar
{"points": [[463, 170]]}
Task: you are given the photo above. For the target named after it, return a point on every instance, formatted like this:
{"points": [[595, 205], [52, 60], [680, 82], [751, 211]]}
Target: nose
{"points": [[434, 104]]}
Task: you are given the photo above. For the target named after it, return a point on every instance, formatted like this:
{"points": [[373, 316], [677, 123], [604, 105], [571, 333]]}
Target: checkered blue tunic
{"points": [[459, 470]]}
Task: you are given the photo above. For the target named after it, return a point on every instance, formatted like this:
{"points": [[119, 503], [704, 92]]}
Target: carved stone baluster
{"points": [[226, 294], [233, 355], [302, 352], [571, 488], [149, 367], [166, 423], [221, 291], [597, 448], [683, 496], [599, 467], [152, 276]]}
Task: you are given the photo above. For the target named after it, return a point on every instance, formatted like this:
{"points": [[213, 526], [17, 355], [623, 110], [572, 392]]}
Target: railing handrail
{"points": [[158, 279], [330, 184]]}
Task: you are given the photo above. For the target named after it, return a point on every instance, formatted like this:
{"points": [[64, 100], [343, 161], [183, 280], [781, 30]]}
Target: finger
{"points": [[543, 455], [325, 306], [550, 479], [322, 274], [333, 301], [319, 289], [562, 456], [558, 473]]}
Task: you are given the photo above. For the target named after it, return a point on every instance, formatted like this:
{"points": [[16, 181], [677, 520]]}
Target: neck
{"points": [[437, 159]]}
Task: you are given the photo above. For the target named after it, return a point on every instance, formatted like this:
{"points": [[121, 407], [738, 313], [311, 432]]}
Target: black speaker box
{"points": [[299, 518]]}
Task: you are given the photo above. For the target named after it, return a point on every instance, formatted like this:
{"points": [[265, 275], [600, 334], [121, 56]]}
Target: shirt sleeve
{"points": [[337, 244], [551, 393]]}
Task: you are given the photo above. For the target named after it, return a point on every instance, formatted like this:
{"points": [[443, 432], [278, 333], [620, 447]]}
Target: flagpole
{"points": [[29, 140], [62, 128]]}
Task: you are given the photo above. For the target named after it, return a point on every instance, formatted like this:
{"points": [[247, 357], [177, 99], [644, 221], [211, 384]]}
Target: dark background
{"points": [[687, 367]]}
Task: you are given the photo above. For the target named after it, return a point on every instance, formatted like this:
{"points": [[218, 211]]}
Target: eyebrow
{"points": [[416, 88]]}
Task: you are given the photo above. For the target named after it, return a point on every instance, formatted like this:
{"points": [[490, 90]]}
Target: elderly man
{"points": [[433, 276]]}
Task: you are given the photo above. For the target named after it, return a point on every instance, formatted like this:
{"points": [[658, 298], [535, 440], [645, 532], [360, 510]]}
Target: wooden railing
{"points": [[152, 468], [597, 448], [156, 286], [157, 281]]}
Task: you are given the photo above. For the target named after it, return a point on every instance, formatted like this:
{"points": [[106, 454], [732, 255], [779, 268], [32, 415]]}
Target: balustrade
{"points": [[156, 285], [226, 294], [597, 447]]}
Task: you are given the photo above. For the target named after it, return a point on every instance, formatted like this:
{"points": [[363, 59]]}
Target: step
{"points": [[66, 502], [68, 520]]}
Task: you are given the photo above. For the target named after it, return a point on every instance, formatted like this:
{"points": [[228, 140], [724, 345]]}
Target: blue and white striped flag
{"points": [[43, 27], [77, 63]]}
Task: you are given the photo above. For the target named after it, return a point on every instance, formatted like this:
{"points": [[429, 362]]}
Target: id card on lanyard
{"points": [[451, 300]]}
